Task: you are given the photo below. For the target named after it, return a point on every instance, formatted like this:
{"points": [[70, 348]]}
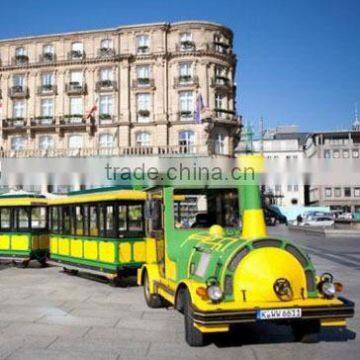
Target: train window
{"points": [[79, 220], [85, 210], [66, 219], [204, 208], [109, 220], [23, 218], [102, 228], [5, 218], [38, 218], [93, 218], [122, 218], [55, 219], [135, 215]]}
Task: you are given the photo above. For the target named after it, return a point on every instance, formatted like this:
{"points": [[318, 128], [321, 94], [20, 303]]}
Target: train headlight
{"points": [[214, 293], [328, 289]]}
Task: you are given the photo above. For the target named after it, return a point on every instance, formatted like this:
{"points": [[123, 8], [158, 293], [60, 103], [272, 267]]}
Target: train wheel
{"points": [[152, 300], [307, 331], [193, 336]]}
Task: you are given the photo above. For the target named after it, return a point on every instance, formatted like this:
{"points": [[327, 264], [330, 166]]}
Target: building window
{"points": [[143, 107], [143, 74], [20, 51], [76, 106], [289, 188], [75, 141], [77, 50], [143, 44], [347, 192], [220, 144], [327, 154], [106, 44], [18, 143], [106, 106], [185, 72], [19, 80], [142, 139], [357, 192], [19, 107], [337, 192], [106, 74], [278, 188], [76, 78], [186, 41], [47, 108], [355, 153], [328, 192], [220, 45], [46, 142], [345, 154], [187, 141], [48, 52], [220, 104], [106, 140], [186, 104], [47, 80], [296, 188], [221, 75], [336, 154]]}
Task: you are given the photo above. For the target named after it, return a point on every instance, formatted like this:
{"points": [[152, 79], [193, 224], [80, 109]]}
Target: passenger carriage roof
{"points": [[22, 200]]}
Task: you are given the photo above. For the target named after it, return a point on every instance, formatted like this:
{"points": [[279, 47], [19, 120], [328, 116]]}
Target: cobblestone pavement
{"points": [[45, 314]]}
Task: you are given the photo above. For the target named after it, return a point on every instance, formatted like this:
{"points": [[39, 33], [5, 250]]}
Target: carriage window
{"points": [[5, 218], [38, 218], [66, 220], [55, 219], [109, 218], [122, 215], [23, 216], [85, 210], [102, 220], [93, 217], [79, 220], [135, 218], [204, 208]]}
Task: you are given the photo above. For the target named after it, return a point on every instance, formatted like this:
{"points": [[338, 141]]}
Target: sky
{"points": [[298, 61]]}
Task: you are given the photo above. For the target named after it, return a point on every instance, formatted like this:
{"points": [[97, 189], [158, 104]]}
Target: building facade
{"points": [[329, 145], [129, 90]]}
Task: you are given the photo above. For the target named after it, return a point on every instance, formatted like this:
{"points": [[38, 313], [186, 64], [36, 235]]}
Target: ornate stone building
{"points": [[128, 90]]}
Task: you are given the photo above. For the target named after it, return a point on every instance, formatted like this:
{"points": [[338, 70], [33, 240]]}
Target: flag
{"points": [[90, 114], [199, 106]]}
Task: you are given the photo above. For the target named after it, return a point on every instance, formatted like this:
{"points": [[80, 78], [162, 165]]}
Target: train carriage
{"points": [[23, 228], [198, 261], [100, 231]]}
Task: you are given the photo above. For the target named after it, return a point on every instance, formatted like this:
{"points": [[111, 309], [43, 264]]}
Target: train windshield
{"points": [[204, 208]]}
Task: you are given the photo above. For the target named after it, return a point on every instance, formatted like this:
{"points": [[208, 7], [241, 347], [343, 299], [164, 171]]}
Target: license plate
{"points": [[272, 314]]}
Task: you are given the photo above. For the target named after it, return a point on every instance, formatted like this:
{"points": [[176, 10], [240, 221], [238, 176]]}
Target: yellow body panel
{"points": [[139, 251], [64, 246], [20, 242], [4, 242], [106, 251], [76, 248], [125, 252], [90, 250], [53, 245]]}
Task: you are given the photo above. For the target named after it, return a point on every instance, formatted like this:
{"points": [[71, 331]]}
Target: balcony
{"points": [[143, 49], [47, 89], [73, 120], [185, 115], [76, 55], [106, 53], [221, 83], [186, 45], [143, 116], [106, 85], [20, 60], [106, 119], [223, 114], [16, 123], [186, 80], [47, 57], [43, 122], [18, 92], [141, 83], [75, 88], [220, 47]]}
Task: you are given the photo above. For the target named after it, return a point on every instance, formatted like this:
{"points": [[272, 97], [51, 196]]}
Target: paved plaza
{"points": [[46, 314]]}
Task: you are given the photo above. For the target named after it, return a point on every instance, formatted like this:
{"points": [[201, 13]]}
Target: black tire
{"points": [[153, 301], [193, 336], [307, 331]]}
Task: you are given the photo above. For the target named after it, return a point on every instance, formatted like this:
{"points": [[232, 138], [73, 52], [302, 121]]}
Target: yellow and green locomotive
{"points": [[200, 262], [23, 228]]}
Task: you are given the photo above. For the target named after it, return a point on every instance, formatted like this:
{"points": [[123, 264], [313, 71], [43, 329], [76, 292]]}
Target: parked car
{"points": [[274, 216], [324, 221]]}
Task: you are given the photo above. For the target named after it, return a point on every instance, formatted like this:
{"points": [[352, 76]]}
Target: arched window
{"points": [[20, 51], [18, 143], [48, 49], [142, 139], [106, 44], [220, 144], [106, 140], [187, 141], [75, 141], [46, 142]]}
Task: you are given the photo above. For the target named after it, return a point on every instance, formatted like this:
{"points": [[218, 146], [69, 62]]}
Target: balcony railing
{"points": [[47, 57], [106, 52], [47, 89], [75, 88], [105, 85], [186, 80], [20, 60], [14, 123], [73, 120], [143, 83], [143, 49], [43, 121], [76, 55], [185, 115], [224, 114], [106, 119], [18, 92], [220, 47], [221, 82], [186, 45]]}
